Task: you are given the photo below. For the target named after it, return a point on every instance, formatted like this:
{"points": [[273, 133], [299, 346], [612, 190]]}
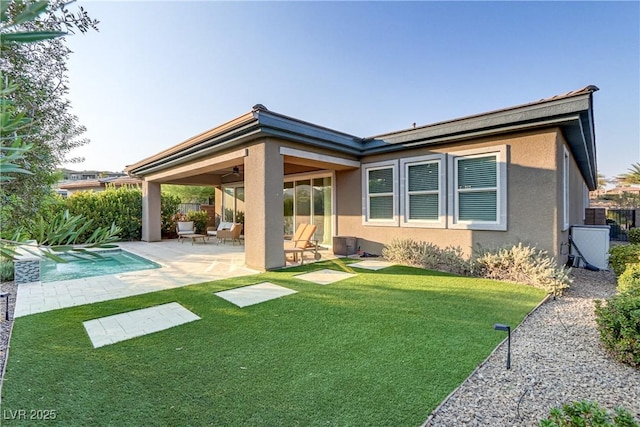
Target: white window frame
{"points": [[405, 221], [394, 221], [565, 188], [501, 153]]}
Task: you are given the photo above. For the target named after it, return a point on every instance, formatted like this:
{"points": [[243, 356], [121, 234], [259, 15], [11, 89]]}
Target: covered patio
{"points": [[256, 154]]}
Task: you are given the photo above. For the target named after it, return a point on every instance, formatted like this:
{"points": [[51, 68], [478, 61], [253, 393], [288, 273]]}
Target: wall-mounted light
{"points": [[507, 328]]}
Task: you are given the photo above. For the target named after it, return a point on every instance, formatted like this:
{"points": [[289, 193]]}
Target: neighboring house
{"points": [[72, 175], [68, 188], [627, 189], [627, 196], [519, 174]]}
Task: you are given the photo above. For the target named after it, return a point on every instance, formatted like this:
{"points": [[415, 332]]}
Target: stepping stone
{"points": [[325, 277], [124, 326], [254, 294], [371, 264]]}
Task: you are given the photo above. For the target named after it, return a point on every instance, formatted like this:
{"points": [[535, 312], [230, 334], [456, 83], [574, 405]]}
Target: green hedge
{"points": [[629, 281], [169, 209], [122, 206], [200, 219], [619, 324], [634, 236], [622, 255]]}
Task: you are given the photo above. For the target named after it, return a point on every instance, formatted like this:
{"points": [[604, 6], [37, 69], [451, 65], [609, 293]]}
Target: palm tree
{"points": [[631, 177], [602, 181]]}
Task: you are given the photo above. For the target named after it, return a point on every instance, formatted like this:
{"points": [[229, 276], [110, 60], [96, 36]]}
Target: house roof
{"points": [[571, 111], [101, 182]]}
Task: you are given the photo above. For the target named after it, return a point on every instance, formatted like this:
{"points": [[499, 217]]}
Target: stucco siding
{"points": [[532, 179], [576, 199]]}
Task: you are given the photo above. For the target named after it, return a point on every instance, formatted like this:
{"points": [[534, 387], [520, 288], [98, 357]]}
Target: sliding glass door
{"points": [[233, 204], [309, 201]]}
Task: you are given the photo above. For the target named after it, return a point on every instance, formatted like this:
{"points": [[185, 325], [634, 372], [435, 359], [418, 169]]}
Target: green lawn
{"points": [[380, 349]]}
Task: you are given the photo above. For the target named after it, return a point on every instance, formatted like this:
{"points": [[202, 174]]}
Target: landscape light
{"points": [[507, 328], [5, 295]]}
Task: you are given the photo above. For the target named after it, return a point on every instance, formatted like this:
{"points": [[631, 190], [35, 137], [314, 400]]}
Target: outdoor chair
{"points": [[185, 227], [302, 241], [233, 233], [213, 231]]}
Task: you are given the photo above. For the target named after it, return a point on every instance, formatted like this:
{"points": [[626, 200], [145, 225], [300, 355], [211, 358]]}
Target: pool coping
{"points": [[180, 265], [105, 251]]}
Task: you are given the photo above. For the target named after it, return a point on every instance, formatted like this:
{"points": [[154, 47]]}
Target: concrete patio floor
{"points": [[183, 263]]}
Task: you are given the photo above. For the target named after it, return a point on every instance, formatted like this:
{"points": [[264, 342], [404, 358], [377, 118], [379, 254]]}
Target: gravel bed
{"points": [[556, 358]]}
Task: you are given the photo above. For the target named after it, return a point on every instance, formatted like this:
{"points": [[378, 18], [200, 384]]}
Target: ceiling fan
{"points": [[236, 172]]}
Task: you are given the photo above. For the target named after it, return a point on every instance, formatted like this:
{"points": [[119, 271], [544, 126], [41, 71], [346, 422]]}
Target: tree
{"points": [[190, 193], [16, 124], [602, 181], [38, 89], [631, 177]]}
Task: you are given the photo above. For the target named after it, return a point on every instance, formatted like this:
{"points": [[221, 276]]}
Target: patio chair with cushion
{"points": [[213, 231], [302, 241], [233, 233], [184, 228]]}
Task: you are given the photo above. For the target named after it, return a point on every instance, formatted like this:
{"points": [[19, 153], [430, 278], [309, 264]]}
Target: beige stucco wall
{"points": [[151, 214], [576, 198], [263, 183], [534, 186]]}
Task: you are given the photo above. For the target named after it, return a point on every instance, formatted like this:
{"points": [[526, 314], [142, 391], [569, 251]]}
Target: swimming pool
{"points": [[111, 262]]}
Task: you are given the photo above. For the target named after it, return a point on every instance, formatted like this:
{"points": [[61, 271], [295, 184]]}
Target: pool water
{"points": [[112, 262]]}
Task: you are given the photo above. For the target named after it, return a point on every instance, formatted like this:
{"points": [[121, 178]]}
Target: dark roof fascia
{"points": [[278, 125], [265, 123], [574, 115], [211, 145], [498, 119]]}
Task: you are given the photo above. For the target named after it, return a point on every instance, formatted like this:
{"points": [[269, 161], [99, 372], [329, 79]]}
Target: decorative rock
{"points": [[556, 359]]}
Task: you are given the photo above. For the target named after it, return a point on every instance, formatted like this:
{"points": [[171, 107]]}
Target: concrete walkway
{"points": [[124, 326], [182, 264]]}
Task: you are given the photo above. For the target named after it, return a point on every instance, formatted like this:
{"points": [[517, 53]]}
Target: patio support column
{"points": [[264, 216], [151, 218]]}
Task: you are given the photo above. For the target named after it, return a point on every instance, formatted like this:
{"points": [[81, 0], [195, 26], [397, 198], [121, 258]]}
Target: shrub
{"points": [[426, 255], [622, 255], [586, 413], [200, 219], [169, 205], [619, 325], [122, 206], [6, 270], [629, 281], [522, 264], [634, 236]]}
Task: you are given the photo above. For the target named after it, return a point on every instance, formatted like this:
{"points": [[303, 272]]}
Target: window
{"points": [[565, 189], [478, 192], [422, 188], [380, 206], [233, 204]]}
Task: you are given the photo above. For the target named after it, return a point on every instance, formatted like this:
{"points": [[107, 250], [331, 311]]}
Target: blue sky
{"points": [[158, 72]]}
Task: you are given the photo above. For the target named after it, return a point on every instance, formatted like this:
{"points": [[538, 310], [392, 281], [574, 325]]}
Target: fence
{"points": [[621, 221], [183, 208]]}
